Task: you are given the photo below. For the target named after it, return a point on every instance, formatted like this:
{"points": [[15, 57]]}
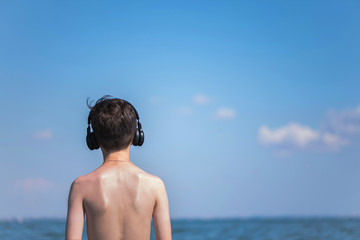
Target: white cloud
{"points": [[201, 99], [333, 141], [346, 122], [291, 134], [33, 185], [337, 130], [225, 113], [293, 137], [43, 135]]}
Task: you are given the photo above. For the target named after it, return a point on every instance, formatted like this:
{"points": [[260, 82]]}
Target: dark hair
{"points": [[113, 121]]}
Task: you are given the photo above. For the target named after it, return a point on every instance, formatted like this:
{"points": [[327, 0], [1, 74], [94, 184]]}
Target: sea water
{"points": [[241, 229]]}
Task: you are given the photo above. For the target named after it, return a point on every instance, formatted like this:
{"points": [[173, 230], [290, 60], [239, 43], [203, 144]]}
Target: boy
{"points": [[119, 199]]}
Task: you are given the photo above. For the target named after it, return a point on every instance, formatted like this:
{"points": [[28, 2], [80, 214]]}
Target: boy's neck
{"points": [[121, 155]]}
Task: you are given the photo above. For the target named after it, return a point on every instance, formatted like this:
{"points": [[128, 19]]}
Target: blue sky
{"points": [[249, 109]]}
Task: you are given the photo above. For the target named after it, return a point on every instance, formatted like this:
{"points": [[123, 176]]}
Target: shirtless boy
{"points": [[118, 198]]}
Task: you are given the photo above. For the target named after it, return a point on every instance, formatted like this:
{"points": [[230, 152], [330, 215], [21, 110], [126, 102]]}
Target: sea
{"points": [[314, 228]]}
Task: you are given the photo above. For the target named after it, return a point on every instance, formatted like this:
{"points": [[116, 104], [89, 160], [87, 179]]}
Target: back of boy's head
{"points": [[113, 121]]}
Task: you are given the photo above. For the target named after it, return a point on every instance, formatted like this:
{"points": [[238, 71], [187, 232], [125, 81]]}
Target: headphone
{"points": [[137, 141]]}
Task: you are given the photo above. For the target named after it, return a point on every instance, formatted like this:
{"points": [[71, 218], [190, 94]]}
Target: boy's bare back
{"points": [[119, 200]]}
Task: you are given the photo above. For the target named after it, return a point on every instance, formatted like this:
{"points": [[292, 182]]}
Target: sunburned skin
{"points": [[119, 200]]}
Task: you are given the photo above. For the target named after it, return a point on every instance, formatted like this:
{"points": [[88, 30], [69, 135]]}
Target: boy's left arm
{"points": [[76, 213]]}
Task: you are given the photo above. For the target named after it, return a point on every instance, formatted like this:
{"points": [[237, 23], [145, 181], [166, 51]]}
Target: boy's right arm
{"points": [[161, 216], [76, 213]]}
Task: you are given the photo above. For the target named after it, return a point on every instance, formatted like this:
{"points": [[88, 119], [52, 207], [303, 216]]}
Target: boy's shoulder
{"points": [[151, 182], [83, 181], [79, 182], [151, 179], [95, 175]]}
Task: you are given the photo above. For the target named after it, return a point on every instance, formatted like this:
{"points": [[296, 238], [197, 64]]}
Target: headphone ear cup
{"points": [[88, 141], [141, 138], [94, 143], [91, 141], [136, 138]]}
